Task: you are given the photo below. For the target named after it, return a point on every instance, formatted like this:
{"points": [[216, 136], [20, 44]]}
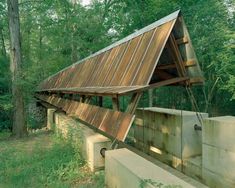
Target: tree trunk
{"points": [[19, 125]]}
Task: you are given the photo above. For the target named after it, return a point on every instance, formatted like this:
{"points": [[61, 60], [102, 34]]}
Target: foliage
{"points": [[146, 182], [56, 34], [5, 95], [30, 162]]}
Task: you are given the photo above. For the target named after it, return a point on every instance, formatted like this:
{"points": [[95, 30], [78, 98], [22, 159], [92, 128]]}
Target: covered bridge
{"points": [[158, 55]]}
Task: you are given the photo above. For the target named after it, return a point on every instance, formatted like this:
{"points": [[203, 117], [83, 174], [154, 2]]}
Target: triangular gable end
{"points": [[177, 58]]}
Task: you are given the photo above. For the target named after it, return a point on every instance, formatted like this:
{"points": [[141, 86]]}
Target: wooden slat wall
{"points": [[114, 123], [128, 64]]}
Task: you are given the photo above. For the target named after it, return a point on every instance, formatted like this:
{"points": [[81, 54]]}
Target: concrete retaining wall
{"points": [[218, 156], [124, 168], [168, 134]]}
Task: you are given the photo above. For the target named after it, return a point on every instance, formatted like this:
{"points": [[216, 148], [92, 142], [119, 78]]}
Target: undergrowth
{"points": [[44, 161]]}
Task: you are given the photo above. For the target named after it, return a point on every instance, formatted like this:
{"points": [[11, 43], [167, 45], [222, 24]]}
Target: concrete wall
{"points": [[168, 134], [124, 168], [86, 140], [218, 155]]}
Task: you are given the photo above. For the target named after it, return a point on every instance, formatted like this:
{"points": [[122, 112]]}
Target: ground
{"points": [[43, 160]]}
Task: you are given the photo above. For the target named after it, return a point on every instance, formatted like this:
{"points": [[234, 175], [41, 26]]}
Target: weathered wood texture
{"points": [[114, 123], [130, 64]]}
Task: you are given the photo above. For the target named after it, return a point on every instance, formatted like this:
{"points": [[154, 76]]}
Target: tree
{"points": [[19, 126]]}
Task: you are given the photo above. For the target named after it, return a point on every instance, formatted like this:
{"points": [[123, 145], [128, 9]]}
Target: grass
{"points": [[43, 160]]}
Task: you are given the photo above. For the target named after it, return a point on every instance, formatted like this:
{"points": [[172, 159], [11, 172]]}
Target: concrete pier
{"points": [[218, 152]]}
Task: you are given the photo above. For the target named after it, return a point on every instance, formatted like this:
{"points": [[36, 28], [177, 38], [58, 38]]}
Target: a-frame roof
{"points": [[157, 55], [159, 52]]}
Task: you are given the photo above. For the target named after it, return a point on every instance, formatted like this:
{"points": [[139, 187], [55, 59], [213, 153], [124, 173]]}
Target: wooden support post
{"points": [[82, 98], [177, 56], [150, 96], [133, 103], [115, 102], [71, 96], [100, 101]]}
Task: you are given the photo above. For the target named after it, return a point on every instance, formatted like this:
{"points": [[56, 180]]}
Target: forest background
{"points": [[57, 33]]}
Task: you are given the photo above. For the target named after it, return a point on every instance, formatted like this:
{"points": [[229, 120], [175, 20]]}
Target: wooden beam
{"points": [[177, 56], [182, 40], [196, 80], [167, 82], [189, 63], [163, 75], [115, 103], [133, 103], [166, 66], [160, 84]]}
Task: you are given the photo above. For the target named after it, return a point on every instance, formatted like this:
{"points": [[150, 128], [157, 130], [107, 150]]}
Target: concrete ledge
{"points": [[124, 168], [219, 132]]}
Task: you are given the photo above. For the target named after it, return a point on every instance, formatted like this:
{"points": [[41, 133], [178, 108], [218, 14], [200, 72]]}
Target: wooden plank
{"points": [[127, 80], [124, 127], [84, 72], [79, 69], [113, 123], [100, 116], [115, 64], [108, 66], [143, 62], [182, 40], [109, 123], [84, 76], [98, 69], [126, 61]]}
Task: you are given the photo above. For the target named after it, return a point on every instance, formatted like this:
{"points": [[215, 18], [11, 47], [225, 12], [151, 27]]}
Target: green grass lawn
{"points": [[42, 160]]}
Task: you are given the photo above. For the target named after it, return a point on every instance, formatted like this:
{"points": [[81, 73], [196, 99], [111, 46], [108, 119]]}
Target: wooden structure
{"points": [[157, 55]]}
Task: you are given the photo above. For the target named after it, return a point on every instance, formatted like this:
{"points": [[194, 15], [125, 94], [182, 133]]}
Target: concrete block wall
{"points": [[218, 155], [168, 134]]}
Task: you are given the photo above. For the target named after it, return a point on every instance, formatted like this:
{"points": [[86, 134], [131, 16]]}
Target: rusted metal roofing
{"points": [[131, 63], [113, 123]]}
